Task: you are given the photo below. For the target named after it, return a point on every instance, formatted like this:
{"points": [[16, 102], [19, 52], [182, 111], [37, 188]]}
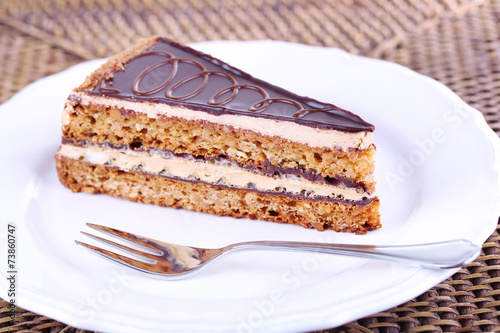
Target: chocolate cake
{"points": [[164, 124]]}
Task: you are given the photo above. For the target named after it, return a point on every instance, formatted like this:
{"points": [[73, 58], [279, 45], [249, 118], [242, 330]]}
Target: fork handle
{"points": [[441, 255]]}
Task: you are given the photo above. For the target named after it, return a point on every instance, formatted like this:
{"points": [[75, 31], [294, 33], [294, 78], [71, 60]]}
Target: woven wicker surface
{"points": [[454, 41]]}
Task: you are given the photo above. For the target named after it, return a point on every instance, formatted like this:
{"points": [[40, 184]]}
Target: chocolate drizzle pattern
{"points": [[174, 74], [232, 89]]}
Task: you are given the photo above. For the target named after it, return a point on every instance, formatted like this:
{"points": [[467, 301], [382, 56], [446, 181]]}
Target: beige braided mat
{"points": [[454, 41]]}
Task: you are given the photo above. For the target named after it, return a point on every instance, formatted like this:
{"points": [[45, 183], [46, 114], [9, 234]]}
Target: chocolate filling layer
{"points": [[365, 201], [269, 169], [174, 74]]}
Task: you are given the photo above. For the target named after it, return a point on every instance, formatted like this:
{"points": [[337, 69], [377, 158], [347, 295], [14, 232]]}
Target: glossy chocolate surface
{"points": [[174, 74]]}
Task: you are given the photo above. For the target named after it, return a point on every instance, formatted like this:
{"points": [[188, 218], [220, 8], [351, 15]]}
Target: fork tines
{"points": [[146, 260]]}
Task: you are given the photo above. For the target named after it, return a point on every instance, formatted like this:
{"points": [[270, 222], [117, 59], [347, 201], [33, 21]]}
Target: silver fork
{"points": [[172, 260]]}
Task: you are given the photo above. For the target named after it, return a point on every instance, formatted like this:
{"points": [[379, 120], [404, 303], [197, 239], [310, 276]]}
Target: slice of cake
{"points": [[164, 124]]}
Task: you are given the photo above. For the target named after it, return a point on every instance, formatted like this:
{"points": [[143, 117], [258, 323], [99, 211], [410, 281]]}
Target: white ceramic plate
{"points": [[437, 168]]}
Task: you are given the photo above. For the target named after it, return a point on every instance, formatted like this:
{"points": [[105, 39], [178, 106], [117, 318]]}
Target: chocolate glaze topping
{"points": [[174, 74]]}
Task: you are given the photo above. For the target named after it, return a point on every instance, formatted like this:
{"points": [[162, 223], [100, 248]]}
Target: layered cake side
{"points": [[164, 124]]}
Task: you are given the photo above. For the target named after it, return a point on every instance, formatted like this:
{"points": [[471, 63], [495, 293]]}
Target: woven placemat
{"points": [[454, 41]]}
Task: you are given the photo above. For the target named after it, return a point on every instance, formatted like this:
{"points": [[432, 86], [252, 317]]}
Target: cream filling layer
{"points": [[206, 172], [314, 137]]}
